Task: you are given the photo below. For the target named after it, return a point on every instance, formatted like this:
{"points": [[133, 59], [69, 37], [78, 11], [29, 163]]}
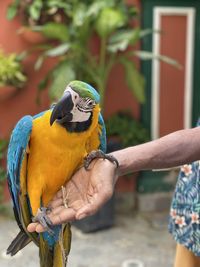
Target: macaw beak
{"points": [[62, 110]]}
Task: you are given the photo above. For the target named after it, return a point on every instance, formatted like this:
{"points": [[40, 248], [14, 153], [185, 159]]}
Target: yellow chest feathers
{"points": [[55, 154]]}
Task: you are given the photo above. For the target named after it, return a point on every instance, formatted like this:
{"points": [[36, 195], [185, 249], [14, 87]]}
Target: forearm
{"points": [[175, 149]]}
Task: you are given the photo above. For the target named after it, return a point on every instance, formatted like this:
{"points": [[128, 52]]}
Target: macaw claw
{"points": [[42, 218], [99, 154]]}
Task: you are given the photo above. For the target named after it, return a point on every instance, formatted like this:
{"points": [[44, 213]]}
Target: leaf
{"points": [[132, 11], [146, 55], [58, 51], [12, 10], [20, 76], [120, 46], [122, 39], [53, 30], [61, 76], [39, 62], [134, 79], [95, 7], [109, 20], [22, 55], [79, 17], [130, 132], [146, 32], [35, 9]]}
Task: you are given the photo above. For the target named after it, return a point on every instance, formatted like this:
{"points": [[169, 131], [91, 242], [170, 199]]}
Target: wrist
{"points": [[111, 168]]}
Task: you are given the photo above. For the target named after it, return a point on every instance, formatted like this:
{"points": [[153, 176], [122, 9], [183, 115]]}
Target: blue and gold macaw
{"points": [[44, 152]]}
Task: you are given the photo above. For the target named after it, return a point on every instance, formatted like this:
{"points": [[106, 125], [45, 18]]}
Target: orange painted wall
{"points": [[25, 101]]}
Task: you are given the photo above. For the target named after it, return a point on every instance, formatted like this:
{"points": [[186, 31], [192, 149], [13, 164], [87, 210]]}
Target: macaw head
{"points": [[74, 110]]}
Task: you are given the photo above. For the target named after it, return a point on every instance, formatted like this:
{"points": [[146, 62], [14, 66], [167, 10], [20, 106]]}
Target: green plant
{"points": [[128, 131], [11, 71], [111, 21], [37, 12]]}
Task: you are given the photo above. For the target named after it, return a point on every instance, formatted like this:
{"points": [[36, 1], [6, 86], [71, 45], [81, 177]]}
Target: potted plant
{"points": [[110, 24], [125, 130], [12, 76]]}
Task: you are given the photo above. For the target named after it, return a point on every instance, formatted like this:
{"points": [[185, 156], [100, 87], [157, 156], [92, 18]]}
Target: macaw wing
{"points": [[97, 139], [102, 134], [17, 172]]}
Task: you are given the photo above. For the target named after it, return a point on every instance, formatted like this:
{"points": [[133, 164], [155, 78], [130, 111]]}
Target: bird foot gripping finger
{"points": [[99, 154], [42, 218]]}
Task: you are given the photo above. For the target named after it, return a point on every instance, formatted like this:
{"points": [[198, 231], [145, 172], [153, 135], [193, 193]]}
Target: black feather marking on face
{"points": [[86, 104], [78, 127]]}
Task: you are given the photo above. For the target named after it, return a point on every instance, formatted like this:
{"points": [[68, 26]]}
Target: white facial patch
{"points": [[75, 96], [78, 115]]}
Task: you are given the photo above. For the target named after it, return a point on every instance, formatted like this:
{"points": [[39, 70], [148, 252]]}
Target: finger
{"points": [[66, 215], [40, 228], [32, 227], [97, 201], [87, 210]]}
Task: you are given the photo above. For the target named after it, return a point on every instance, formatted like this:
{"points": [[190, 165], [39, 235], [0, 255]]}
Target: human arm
{"points": [[172, 150], [89, 190]]}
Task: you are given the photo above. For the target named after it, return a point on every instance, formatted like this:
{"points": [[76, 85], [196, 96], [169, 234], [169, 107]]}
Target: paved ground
{"points": [[141, 237]]}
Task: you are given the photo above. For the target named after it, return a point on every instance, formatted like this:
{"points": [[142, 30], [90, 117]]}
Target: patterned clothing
{"points": [[184, 222]]}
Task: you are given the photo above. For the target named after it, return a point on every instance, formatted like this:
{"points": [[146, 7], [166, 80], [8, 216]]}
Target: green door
{"points": [[147, 22], [150, 181]]}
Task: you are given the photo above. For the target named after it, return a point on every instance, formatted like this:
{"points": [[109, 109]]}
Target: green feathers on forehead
{"points": [[85, 90]]}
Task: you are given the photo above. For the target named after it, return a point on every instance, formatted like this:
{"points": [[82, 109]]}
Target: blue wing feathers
{"points": [[103, 145], [16, 149], [39, 115]]}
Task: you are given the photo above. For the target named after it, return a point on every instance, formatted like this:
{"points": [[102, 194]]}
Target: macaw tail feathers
{"points": [[46, 253], [57, 255], [20, 241]]}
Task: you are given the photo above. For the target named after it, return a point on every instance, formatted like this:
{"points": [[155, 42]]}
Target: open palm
{"points": [[83, 195]]}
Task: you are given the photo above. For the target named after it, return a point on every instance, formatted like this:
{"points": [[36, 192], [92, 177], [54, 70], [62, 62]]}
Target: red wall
{"points": [[25, 101], [171, 79]]}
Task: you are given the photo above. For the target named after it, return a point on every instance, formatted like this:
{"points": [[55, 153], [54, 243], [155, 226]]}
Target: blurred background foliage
{"points": [[70, 26], [11, 70], [126, 130]]}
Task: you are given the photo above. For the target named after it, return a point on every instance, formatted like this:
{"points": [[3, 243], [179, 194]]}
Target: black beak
{"points": [[62, 110]]}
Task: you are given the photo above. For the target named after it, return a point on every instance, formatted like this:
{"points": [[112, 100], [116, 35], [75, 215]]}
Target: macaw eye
{"points": [[91, 103]]}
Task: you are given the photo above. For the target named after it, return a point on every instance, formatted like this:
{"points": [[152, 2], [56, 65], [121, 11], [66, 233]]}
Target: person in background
{"points": [[88, 190]]}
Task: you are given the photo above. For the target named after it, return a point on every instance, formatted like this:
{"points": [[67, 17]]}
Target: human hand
{"points": [[86, 192]]}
